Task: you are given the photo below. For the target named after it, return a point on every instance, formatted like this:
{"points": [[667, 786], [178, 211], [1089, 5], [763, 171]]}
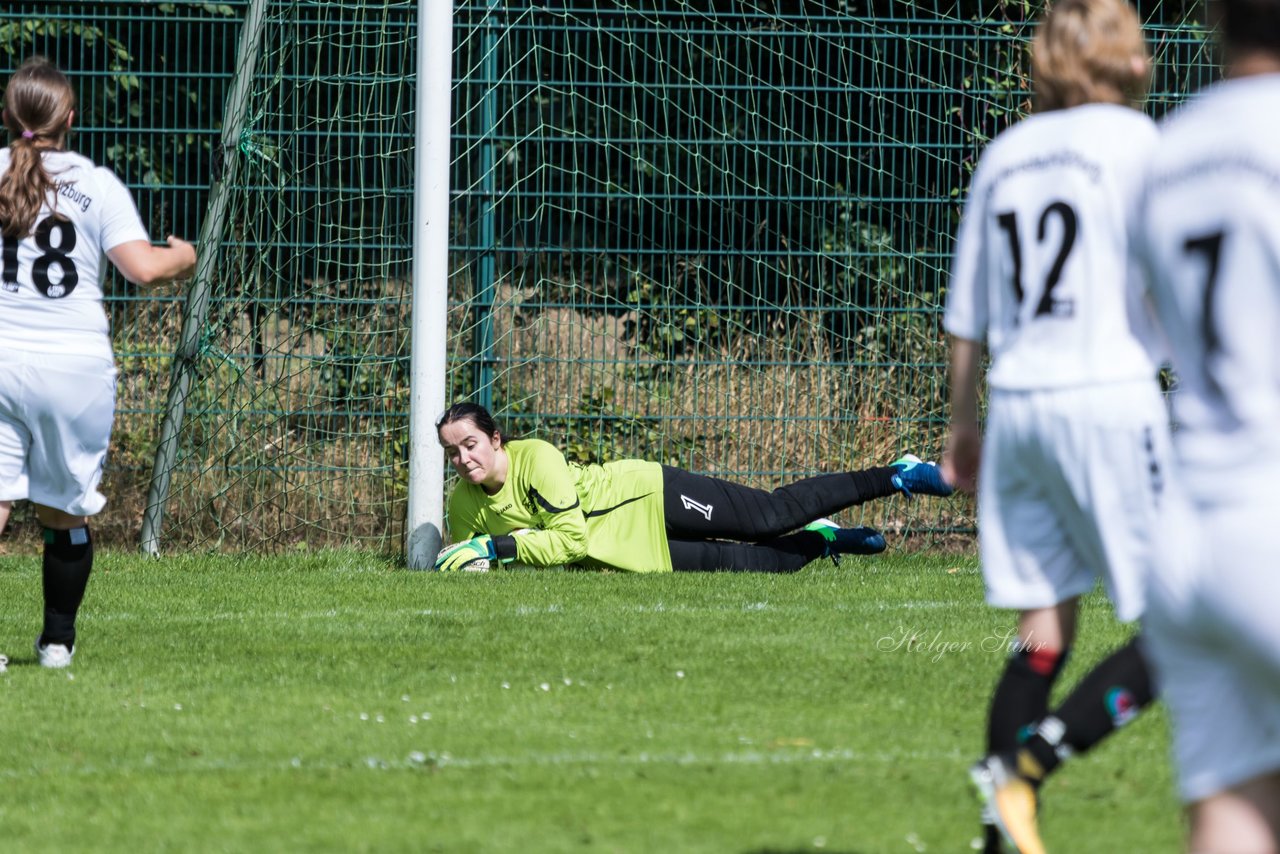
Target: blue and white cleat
{"points": [[847, 541], [916, 477]]}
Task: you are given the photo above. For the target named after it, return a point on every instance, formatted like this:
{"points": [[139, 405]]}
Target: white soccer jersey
{"points": [[1041, 269], [1207, 230], [51, 280], [1209, 233]]}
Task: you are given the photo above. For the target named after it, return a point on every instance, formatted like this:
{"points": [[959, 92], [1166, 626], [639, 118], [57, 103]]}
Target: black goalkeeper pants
{"points": [[716, 525]]}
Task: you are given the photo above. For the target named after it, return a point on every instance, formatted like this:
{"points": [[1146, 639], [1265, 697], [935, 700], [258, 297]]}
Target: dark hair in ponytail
{"points": [[38, 103], [476, 414]]}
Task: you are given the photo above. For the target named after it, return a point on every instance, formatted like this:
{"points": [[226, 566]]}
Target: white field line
{"points": [[93, 615], [444, 760]]}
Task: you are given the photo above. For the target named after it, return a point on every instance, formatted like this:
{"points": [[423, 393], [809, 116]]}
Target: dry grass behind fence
{"points": [[296, 436]]}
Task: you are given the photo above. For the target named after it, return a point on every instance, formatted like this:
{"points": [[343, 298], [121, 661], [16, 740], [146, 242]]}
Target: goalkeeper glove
{"points": [[459, 555]]}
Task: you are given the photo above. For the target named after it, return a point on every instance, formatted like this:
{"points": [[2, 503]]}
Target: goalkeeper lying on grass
{"points": [[642, 516]]}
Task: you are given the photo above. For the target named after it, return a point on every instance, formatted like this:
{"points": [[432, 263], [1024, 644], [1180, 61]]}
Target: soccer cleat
{"points": [[991, 841], [4, 663], [847, 541], [916, 477], [1012, 802], [54, 654]]}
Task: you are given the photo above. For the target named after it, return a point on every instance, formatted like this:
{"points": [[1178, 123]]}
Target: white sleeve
{"points": [[967, 312], [120, 220], [1143, 321]]}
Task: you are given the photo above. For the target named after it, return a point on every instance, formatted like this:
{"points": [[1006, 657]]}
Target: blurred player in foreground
{"points": [[58, 215], [642, 516], [1208, 233], [1076, 451]]}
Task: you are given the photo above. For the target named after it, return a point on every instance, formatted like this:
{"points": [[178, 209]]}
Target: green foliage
{"points": [[221, 9], [670, 326], [759, 194], [130, 77], [330, 702], [19, 38], [871, 270], [600, 430], [357, 379]]}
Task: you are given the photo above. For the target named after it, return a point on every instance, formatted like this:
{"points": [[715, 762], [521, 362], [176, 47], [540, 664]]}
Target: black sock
{"points": [[1109, 697], [68, 559], [1022, 695], [874, 482]]}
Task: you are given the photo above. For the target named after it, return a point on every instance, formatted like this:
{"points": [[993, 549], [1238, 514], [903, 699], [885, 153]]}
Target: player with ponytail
{"points": [[59, 216]]}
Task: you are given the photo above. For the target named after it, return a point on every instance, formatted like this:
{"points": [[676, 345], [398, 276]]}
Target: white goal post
{"points": [[428, 359]]}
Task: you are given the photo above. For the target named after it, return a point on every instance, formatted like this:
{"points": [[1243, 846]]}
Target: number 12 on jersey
{"points": [[1048, 304]]}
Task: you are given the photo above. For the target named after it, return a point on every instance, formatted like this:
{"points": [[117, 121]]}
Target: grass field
{"points": [[332, 702]]}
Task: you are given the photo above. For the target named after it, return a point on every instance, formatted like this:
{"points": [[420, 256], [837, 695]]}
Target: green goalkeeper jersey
{"points": [[604, 516]]}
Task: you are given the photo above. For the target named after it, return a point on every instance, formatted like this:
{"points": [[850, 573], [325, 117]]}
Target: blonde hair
{"points": [[1084, 52], [38, 103]]}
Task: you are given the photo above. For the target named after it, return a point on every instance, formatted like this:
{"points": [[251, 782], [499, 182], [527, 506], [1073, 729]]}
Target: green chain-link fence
{"points": [[711, 233]]}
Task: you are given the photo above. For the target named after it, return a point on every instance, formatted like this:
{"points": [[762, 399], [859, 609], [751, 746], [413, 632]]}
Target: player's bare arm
{"points": [[964, 444], [144, 264]]}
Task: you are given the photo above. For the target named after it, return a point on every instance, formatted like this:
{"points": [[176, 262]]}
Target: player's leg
{"points": [[1244, 818], [66, 565], [1038, 652], [1213, 642], [71, 404], [14, 441], [1029, 563], [1110, 696], [1021, 698], [697, 506], [5, 508], [727, 556], [1036, 658], [701, 507], [1115, 473], [788, 553], [1225, 709], [14, 438]]}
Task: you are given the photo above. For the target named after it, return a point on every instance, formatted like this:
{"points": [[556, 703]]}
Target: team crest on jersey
{"points": [[1122, 706]]}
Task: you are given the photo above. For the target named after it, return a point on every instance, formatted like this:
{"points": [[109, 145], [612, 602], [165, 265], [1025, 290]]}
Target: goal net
{"points": [[712, 233]]}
